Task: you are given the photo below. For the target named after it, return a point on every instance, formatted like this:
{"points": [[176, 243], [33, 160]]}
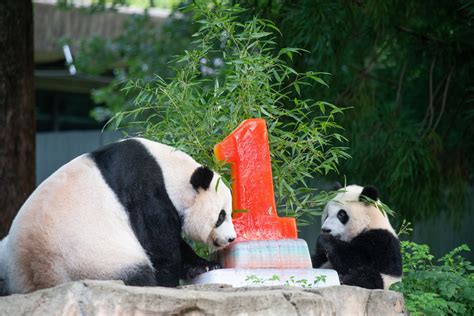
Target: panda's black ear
{"points": [[201, 178], [369, 191], [336, 186]]}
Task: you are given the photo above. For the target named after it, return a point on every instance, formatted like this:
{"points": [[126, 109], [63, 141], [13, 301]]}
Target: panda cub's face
{"points": [[344, 220], [209, 219], [347, 215]]}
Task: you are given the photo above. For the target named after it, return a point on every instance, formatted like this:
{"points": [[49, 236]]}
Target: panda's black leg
{"points": [[167, 262], [167, 277], [319, 257], [193, 265], [142, 275], [342, 255], [3, 287], [362, 277]]}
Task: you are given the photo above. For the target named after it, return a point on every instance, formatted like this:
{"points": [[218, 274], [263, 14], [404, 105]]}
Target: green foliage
{"points": [[382, 207], [444, 288], [405, 228], [405, 67], [236, 72]]}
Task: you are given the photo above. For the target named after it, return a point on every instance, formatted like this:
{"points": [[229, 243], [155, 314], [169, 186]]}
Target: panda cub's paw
{"points": [[192, 271], [325, 242], [345, 279]]}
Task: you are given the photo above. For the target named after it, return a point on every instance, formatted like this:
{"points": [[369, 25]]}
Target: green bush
{"points": [[234, 73], [444, 288]]}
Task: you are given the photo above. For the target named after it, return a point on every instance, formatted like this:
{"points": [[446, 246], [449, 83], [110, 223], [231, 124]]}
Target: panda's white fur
{"points": [[363, 216], [200, 210], [74, 227]]}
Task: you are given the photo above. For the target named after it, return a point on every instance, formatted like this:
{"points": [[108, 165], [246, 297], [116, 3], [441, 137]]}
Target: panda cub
{"points": [[358, 241], [118, 214]]}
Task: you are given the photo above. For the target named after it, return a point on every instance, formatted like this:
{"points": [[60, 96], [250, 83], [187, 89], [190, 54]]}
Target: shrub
{"points": [[445, 288], [235, 72]]}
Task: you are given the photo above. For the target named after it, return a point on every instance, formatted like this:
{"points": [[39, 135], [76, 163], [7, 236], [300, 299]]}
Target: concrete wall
{"points": [[54, 149]]}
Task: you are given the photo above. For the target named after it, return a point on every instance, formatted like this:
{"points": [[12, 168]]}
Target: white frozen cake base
{"points": [[305, 278]]}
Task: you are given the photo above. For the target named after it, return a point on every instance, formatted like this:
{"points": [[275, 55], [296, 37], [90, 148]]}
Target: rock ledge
{"points": [[114, 298]]}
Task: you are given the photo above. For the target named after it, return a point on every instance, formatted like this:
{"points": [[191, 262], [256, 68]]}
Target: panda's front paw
{"points": [[325, 243], [214, 265], [345, 279], [192, 271], [319, 258]]}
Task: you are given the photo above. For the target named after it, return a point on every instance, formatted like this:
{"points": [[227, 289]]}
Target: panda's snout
{"points": [[325, 230], [223, 243]]}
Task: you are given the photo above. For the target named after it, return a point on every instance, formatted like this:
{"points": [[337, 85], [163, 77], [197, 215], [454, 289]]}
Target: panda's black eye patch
{"points": [[221, 218], [342, 216]]}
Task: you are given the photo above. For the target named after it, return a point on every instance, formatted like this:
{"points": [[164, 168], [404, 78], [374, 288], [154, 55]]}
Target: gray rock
{"points": [[114, 298], [351, 300]]}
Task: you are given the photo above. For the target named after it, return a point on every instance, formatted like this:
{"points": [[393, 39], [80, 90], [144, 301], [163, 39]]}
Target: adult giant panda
{"points": [[358, 241], [118, 213]]}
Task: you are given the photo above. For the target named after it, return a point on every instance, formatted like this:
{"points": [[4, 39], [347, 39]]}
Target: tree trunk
{"points": [[17, 108]]}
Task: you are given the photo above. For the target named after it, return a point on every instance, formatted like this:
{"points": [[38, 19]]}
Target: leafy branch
{"points": [[236, 72], [441, 287]]}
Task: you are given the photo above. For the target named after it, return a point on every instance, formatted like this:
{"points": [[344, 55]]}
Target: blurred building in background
{"points": [[63, 96], [65, 128]]}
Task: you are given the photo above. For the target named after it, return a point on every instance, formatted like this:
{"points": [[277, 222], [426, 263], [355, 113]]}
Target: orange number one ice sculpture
{"points": [[267, 245], [248, 153]]}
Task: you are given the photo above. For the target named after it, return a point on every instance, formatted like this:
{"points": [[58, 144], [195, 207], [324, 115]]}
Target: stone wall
{"points": [[114, 298]]}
